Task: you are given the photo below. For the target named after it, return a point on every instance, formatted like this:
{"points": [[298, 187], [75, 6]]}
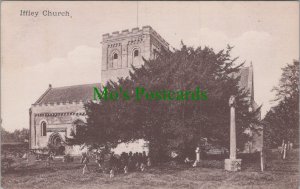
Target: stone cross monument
{"points": [[232, 164]]}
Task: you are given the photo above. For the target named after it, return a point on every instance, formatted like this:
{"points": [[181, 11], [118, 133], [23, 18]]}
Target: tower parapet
{"points": [[134, 31]]}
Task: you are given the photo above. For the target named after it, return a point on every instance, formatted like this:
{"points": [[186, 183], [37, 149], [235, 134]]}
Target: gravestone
{"points": [[31, 159], [197, 154], [284, 151], [262, 160], [197, 157]]}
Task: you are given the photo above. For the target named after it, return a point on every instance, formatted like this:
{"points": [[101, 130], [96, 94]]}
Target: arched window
{"points": [[43, 128], [136, 56], [115, 59], [136, 53], [115, 56]]}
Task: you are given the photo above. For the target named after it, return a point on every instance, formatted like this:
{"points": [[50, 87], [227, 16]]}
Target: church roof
{"points": [[244, 77], [73, 93], [85, 92], [246, 82]]}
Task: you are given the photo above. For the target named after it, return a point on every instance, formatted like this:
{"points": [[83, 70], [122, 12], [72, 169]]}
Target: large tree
{"points": [[172, 124], [282, 121]]}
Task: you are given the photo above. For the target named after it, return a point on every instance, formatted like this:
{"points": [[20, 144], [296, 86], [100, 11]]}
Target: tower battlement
{"points": [[134, 31]]}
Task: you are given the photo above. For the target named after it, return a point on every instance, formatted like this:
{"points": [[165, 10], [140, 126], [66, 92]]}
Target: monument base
{"points": [[233, 164]]}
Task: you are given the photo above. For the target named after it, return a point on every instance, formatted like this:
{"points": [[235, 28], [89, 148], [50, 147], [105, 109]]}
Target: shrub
{"points": [[6, 163]]}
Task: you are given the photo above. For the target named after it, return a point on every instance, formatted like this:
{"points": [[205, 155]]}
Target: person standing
{"points": [[112, 173], [99, 160], [85, 167], [49, 159]]}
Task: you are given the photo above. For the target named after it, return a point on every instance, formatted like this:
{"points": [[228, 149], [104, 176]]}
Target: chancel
{"points": [[57, 112]]}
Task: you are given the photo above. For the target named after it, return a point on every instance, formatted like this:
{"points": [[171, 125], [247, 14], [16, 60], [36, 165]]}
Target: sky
{"points": [[62, 51]]}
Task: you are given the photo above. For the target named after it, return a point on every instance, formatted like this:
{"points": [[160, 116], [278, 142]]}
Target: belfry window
{"points": [[115, 56], [43, 129], [115, 59], [136, 57], [135, 53]]}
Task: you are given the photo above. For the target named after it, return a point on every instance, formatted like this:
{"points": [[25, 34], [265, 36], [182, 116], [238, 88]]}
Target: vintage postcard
{"points": [[141, 94]]}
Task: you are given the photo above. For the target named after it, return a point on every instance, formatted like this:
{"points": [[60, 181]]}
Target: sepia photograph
{"points": [[149, 94]]}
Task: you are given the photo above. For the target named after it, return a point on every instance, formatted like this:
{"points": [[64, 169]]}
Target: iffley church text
{"points": [[44, 13]]}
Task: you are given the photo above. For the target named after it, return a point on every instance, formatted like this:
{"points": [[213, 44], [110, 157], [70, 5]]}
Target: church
{"points": [[56, 113]]}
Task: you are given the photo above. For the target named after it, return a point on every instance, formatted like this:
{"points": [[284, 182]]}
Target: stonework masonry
{"points": [[122, 50], [59, 118]]}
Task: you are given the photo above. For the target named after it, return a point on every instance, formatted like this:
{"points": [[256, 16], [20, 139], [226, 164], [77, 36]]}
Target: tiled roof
{"points": [[73, 93]]}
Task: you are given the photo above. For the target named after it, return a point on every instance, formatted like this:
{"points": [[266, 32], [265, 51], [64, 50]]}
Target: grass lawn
{"points": [[279, 174]]}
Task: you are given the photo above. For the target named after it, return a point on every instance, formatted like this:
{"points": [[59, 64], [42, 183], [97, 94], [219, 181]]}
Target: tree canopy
{"points": [[172, 125], [282, 121]]}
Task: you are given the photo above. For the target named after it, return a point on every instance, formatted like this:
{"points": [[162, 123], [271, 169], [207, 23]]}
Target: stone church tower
{"points": [[122, 50], [59, 110]]}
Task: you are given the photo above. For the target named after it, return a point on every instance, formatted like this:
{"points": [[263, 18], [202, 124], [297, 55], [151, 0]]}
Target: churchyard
{"points": [[209, 174]]}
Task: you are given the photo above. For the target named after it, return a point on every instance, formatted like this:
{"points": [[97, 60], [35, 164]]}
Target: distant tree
{"points": [[282, 121], [178, 124], [6, 136], [288, 87], [21, 135], [16, 136]]}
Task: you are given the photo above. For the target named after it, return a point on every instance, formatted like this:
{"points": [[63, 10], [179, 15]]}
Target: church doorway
{"points": [[55, 144]]}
